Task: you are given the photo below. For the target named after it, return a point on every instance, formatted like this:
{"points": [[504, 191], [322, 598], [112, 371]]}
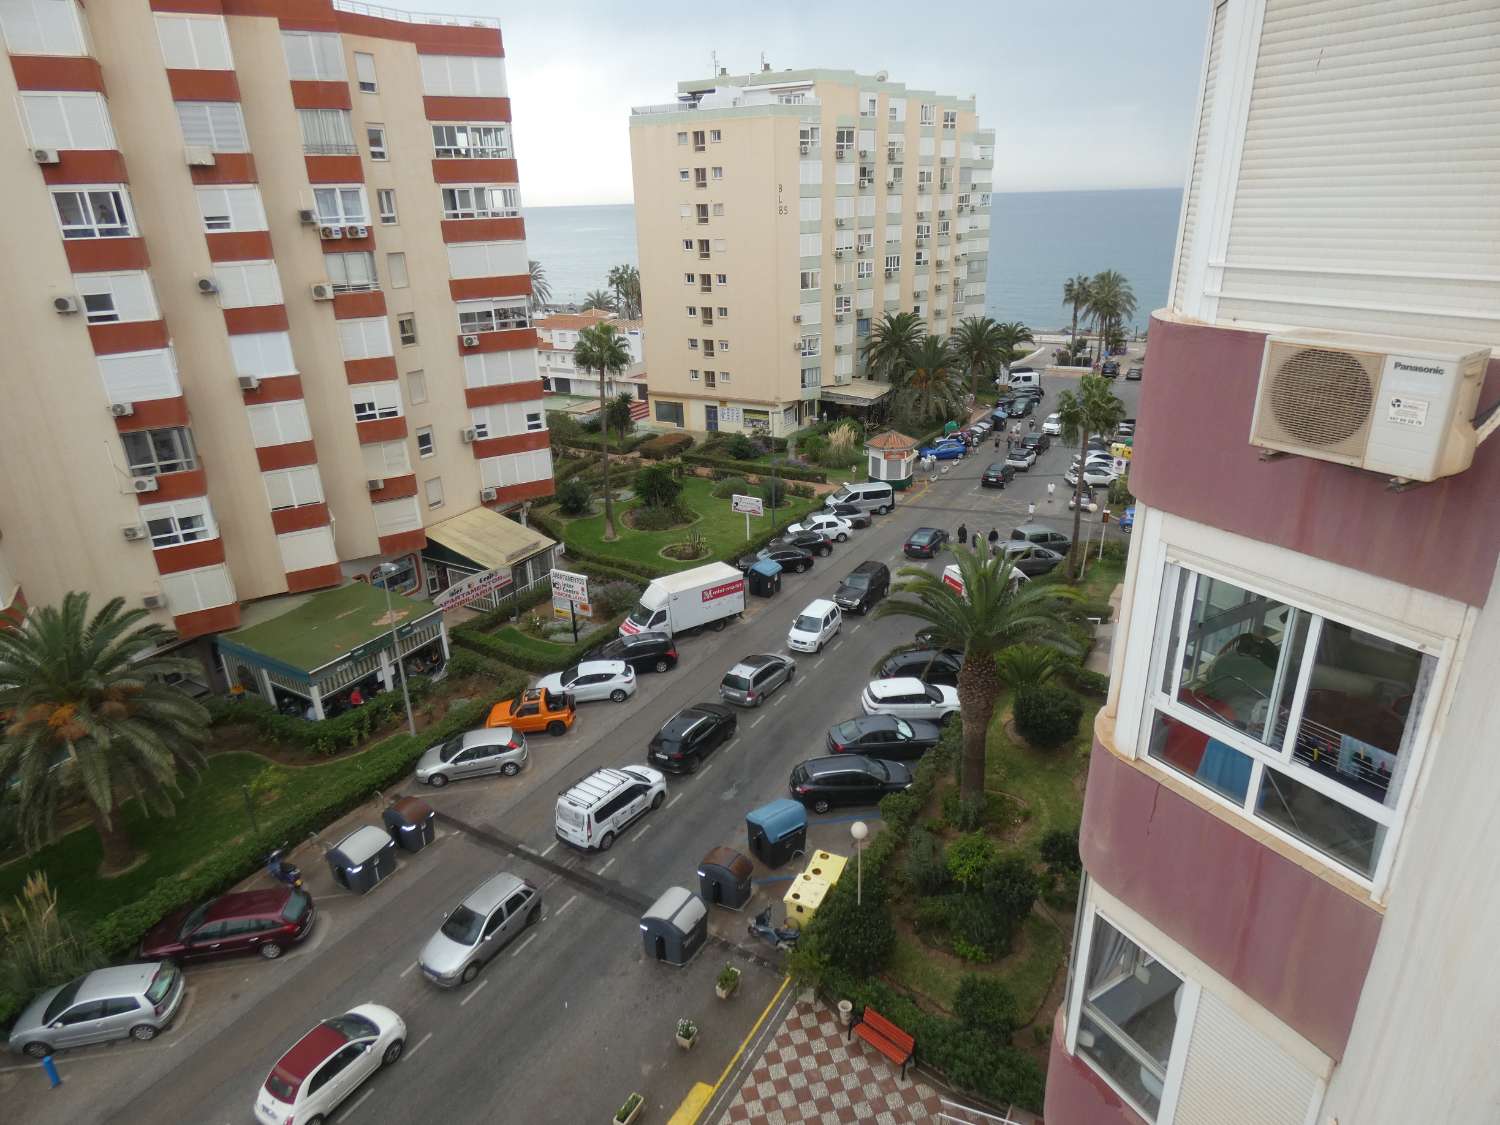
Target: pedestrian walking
{"points": [[1007, 444], [1031, 424], [1031, 509], [994, 539], [1051, 488], [997, 444], [963, 535]]}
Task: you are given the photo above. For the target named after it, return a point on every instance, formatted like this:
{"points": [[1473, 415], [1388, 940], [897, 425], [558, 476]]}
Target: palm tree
{"points": [[541, 292], [978, 346], [891, 344], [1093, 409], [1076, 293], [600, 299], [1111, 300], [929, 390], [625, 280], [1012, 335], [993, 613], [92, 717], [601, 348]]}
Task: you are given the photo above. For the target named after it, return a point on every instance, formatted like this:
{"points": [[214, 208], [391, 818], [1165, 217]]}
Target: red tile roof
{"points": [[891, 439]]}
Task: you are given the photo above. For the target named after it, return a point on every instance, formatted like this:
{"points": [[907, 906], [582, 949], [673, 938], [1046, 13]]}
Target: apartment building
{"points": [[266, 299], [1289, 825], [778, 216], [557, 336]]}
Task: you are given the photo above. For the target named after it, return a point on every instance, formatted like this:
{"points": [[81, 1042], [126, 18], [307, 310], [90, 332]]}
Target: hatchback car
{"points": [[909, 698], [1093, 475], [1031, 560], [863, 587], [1040, 535], [125, 1001], [1134, 374], [925, 543], [884, 736], [852, 514], [1039, 442], [480, 926], [812, 541], [264, 922], [1109, 369], [846, 779], [826, 524], [1021, 458], [328, 1064], [1053, 425], [997, 475], [815, 626], [588, 680], [791, 558], [930, 665], [1024, 405], [945, 450], [755, 677], [474, 753], [645, 652], [534, 710], [691, 735]]}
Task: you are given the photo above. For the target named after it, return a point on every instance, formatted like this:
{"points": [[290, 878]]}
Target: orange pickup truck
{"points": [[534, 710]]}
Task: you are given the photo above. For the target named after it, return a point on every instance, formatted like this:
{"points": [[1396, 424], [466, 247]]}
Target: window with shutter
{"points": [[116, 298], [190, 590], [364, 70], [193, 42], [179, 521], [219, 126], [491, 369], [326, 132], [376, 400], [263, 354], [313, 56], [395, 516], [140, 376], [43, 27], [279, 423], [246, 284], [304, 550], [516, 468], [293, 488], [352, 272], [366, 338], [231, 208], [487, 259], [1230, 1064], [386, 459], [1190, 203], [463, 76], [67, 121]]}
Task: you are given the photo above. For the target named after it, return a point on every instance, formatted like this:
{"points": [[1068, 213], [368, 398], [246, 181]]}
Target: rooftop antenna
{"points": [[764, 66], [713, 57]]}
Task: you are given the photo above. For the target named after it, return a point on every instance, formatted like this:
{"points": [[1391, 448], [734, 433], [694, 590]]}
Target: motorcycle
{"points": [[784, 939], [282, 871]]}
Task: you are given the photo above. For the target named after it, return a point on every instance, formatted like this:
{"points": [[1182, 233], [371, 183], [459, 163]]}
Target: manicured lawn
{"points": [[1029, 972], [535, 645], [1047, 784]]}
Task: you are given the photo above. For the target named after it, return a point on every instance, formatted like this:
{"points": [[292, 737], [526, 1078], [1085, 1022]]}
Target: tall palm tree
{"points": [[1076, 293], [1012, 335], [601, 348], [541, 291], [625, 280], [92, 717], [929, 390], [978, 346], [891, 344], [1111, 301], [600, 299], [993, 613], [1092, 409]]}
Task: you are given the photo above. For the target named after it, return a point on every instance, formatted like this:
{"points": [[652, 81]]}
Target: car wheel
{"points": [[143, 1032], [607, 841], [658, 799], [718, 626], [270, 951], [392, 1053], [535, 916], [315, 1120], [36, 1050], [618, 696], [662, 665], [801, 566], [471, 970], [821, 805], [438, 780], [557, 728], [943, 720], [510, 769], [790, 672], [843, 537]]}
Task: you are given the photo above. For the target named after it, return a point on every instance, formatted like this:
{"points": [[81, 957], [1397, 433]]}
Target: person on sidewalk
{"points": [[963, 534], [994, 541], [1031, 424], [1051, 489], [1030, 509]]}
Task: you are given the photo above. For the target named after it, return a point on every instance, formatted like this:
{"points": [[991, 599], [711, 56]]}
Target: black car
{"points": [[790, 558], [930, 665], [998, 475], [1028, 392], [866, 584], [925, 543], [858, 517], [1032, 561], [1040, 535], [814, 541], [848, 779], [1023, 406], [691, 735], [645, 652], [1110, 369], [883, 736], [1039, 442]]}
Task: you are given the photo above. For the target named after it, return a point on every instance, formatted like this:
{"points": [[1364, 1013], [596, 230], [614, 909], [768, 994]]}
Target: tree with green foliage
{"points": [[657, 486], [1092, 409], [1076, 293], [601, 299], [892, 342], [573, 497], [541, 291], [1047, 715], [617, 414], [1112, 302], [978, 347], [1028, 665], [625, 281], [929, 391], [600, 348], [1013, 334]]}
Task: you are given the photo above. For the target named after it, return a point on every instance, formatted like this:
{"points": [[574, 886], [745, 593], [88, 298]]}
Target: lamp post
{"points": [[859, 830], [385, 570]]}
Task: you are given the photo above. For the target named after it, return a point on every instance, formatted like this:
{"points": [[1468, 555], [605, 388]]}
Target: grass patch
{"points": [[1028, 972], [1047, 782], [1101, 578], [545, 650]]}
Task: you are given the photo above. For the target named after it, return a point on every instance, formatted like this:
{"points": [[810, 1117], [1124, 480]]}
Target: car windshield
{"points": [[352, 1026], [903, 728], [640, 615], [456, 743], [921, 536], [737, 683], [62, 1001], [568, 675], [807, 623], [193, 920], [879, 770], [858, 581], [162, 983], [296, 907], [846, 732], [281, 1089], [463, 926]]}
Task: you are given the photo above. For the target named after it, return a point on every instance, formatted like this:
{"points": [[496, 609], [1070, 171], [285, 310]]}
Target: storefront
{"points": [[494, 556]]}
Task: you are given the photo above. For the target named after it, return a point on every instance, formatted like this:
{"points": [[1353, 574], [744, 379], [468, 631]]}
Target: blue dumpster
{"points": [[777, 831]]}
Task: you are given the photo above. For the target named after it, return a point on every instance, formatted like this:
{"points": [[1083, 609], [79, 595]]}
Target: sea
{"points": [[1037, 241]]}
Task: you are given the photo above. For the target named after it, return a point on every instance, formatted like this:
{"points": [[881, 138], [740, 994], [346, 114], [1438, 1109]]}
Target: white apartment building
{"points": [[557, 336]]}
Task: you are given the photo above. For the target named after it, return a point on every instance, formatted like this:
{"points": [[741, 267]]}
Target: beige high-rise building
{"points": [[779, 215]]}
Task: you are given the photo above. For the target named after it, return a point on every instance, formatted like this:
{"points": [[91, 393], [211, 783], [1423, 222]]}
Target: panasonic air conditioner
{"points": [[327, 232], [471, 341], [307, 216], [839, 252], [321, 291], [357, 232], [207, 286], [1403, 408], [374, 484], [468, 435], [199, 156], [65, 304], [133, 531], [154, 601], [486, 495], [46, 156], [122, 409], [805, 147], [143, 484], [249, 382]]}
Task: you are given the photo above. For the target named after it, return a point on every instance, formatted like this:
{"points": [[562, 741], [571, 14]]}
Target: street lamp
{"points": [[386, 570], [859, 830]]}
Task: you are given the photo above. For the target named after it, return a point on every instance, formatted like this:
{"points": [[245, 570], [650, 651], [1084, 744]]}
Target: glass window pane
{"points": [[1319, 821], [1231, 654], [1213, 763]]}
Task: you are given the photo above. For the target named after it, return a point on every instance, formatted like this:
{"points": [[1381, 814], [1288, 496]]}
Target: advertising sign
{"points": [[472, 588], [749, 505]]}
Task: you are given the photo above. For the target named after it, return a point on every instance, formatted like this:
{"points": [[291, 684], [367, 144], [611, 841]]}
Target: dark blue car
{"points": [[945, 450]]}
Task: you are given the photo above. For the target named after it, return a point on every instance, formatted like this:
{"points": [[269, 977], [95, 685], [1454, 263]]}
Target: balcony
{"points": [[329, 149], [380, 12]]}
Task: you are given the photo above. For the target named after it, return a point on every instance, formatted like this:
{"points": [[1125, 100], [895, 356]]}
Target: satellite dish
{"points": [[881, 75]]}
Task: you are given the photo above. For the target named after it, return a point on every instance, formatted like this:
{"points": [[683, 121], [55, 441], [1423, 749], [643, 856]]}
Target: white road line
{"points": [[706, 768], [530, 938], [818, 661], [643, 829], [420, 1044], [858, 625], [348, 1113], [407, 970], [674, 800], [778, 701], [548, 850], [564, 906], [608, 863], [475, 991], [755, 722]]}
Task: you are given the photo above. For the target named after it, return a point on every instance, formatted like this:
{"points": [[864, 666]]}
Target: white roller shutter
{"points": [[279, 423], [367, 338], [129, 296], [516, 468], [244, 284], [463, 76], [1236, 1076], [263, 354], [313, 55], [386, 459], [42, 27], [67, 121], [231, 208], [1192, 201], [303, 550], [393, 516], [492, 369], [190, 590], [293, 488], [140, 376], [219, 126], [193, 42], [487, 259]]}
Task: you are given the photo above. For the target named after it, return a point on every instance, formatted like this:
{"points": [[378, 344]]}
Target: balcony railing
{"points": [[380, 11], [329, 149]]}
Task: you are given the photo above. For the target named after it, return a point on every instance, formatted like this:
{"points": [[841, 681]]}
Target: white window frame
{"points": [[184, 456], [379, 149], [431, 450], [376, 401], [266, 355], [367, 337], [178, 514], [279, 423], [202, 45], [231, 207], [385, 202], [463, 76], [812, 346], [493, 314], [433, 496], [395, 268], [471, 140], [332, 132], [140, 297], [402, 334], [808, 280], [218, 125], [480, 201], [364, 71], [365, 279], [313, 56], [80, 120], [119, 198], [302, 485], [865, 269], [416, 386], [68, 36], [341, 205]]}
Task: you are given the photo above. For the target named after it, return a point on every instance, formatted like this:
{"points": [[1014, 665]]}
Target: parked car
{"points": [[591, 680], [925, 543], [755, 677], [480, 926], [328, 1064], [864, 586], [264, 922], [645, 652], [1023, 406], [1127, 520], [1110, 369], [791, 558], [815, 626], [930, 665], [1040, 535], [811, 541], [124, 1001], [1086, 495], [593, 811], [1031, 560], [909, 698], [691, 735], [1037, 441], [949, 450], [884, 736], [474, 753], [1094, 475], [1021, 457], [997, 475], [846, 779], [855, 516], [1099, 442], [826, 524], [1032, 390], [875, 496], [1134, 374], [534, 709], [1053, 425]]}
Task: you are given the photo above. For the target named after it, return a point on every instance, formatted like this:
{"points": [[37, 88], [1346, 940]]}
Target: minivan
{"points": [[1040, 535], [872, 495], [597, 808], [1019, 378], [815, 626], [865, 585]]}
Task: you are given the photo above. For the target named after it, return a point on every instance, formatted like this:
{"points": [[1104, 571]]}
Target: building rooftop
{"points": [[328, 626], [585, 319], [891, 439]]}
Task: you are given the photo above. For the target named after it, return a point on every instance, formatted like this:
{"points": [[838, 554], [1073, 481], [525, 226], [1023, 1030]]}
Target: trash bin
{"points": [[826, 866], [411, 822], [724, 878], [764, 578], [777, 831], [803, 898], [362, 859], [675, 927]]}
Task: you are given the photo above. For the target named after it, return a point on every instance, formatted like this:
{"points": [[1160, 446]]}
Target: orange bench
{"points": [[885, 1037]]}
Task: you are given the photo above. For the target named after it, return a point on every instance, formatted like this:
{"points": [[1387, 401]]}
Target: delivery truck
{"points": [[706, 596], [952, 576]]}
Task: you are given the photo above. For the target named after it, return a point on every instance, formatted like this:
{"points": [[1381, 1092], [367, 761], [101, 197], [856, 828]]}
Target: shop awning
{"points": [[860, 392], [488, 539]]}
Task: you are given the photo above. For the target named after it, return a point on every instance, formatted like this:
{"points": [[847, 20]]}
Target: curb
{"points": [[701, 1094]]}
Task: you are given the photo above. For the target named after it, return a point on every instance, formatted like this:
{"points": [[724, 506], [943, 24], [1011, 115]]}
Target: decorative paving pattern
{"points": [[809, 1073]]}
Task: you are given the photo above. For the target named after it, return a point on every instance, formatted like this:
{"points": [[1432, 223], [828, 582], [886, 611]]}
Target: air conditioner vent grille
{"points": [[1324, 397]]}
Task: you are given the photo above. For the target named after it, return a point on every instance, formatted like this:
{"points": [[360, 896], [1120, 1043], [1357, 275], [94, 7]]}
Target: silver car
{"points": [[135, 1001], [481, 926], [475, 752], [755, 677]]}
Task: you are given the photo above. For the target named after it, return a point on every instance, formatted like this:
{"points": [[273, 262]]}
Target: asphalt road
{"points": [[571, 1018]]}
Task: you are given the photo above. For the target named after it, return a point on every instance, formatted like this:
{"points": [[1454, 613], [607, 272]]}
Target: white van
{"points": [[1027, 378], [871, 495], [596, 809]]}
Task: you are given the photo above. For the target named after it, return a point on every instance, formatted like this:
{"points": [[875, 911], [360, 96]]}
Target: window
{"points": [[463, 76], [684, 174], [1302, 722], [376, 400], [231, 208], [710, 379], [481, 202], [385, 200], [926, 114], [385, 459], [842, 304], [416, 387], [432, 488], [352, 272], [364, 338], [950, 119], [487, 259], [812, 345], [406, 329], [698, 140], [723, 312], [718, 210], [868, 103], [375, 138], [364, 70], [167, 450], [279, 423], [326, 132], [140, 376], [313, 56], [723, 376], [496, 369], [102, 212], [692, 374], [669, 412], [535, 421], [293, 488], [717, 172], [703, 248], [493, 315], [426, 447], [219, 126], [715, 136], [682, 138], [243, 284], [693, 343], [865, 270], [687, 244], [67, 121], [193, 42], [812, 377], [43, 27], [262, 354], [810, 172], [689, 278], [395, 266], [702, 213], [113, 298], [471, 141], [700, 177], [342, 206], [721, 279], [892, 263], [517, 468]]}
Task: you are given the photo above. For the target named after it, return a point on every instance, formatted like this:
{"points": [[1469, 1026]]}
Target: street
{"points": [[572, 1017]]}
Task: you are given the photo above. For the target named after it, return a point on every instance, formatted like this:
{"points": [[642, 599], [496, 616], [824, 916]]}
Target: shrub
{"points": [[964, 813], [773, 490], [1010, 887], [42, 947], [899, 809], [1086, 679], [926, 866], [1048, 715], [1059, 849], [652, 518], [793, 472], [864, 934], [968, 856], [986, 1004], [574, 498], [657, 486], [617, 597], [729, 486], [665, 446], [738, 447], [562, 426], [798, 489], [974, 930], [1027, 665]]}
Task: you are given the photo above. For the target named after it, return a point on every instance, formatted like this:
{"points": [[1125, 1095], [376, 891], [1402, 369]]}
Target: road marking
{"points": [[564, 906], [778, 701], [732, 743], [608, 863], [529, 939], [420, 1043], [757, 720], [348, 1113], [706, 768], [475, 991], [857, 627], [643, 829], [407, 970], [674, 800], [818, 661], [548, 850]]}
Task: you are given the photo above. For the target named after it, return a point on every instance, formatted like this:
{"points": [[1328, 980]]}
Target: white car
{"points": [[1093, 475], [328, 1064], [593, 679], [824, 523], [909, 698], [815, 626], [1053, 425]]}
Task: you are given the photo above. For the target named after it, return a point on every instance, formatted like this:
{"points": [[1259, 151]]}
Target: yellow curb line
{"points": [[701, 1094]]}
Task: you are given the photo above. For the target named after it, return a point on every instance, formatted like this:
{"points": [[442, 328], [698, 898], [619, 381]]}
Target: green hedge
{"points": [[498, 647], [327, 737], [789, 472], [604, 566], [665, 446], [595, 442]]}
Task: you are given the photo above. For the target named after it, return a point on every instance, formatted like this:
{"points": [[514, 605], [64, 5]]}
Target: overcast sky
{"points": [[1080, 93]]}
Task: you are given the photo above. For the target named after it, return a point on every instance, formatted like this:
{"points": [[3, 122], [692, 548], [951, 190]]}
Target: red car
{"points": [[263, 922]]}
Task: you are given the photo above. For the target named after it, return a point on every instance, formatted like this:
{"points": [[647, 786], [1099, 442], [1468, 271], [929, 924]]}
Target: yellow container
{"points": [[804, 898], [826, 866]]}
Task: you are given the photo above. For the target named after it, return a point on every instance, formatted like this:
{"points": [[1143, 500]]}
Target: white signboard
{"points": [[750, 505], [570, 587], [472, 588]]}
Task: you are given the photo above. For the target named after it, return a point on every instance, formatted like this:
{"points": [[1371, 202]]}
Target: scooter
{"points": [[282, 871], [760, 926]]}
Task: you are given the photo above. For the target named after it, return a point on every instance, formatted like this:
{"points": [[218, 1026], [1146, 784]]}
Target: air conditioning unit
{"points": [[133, 531], [866, 183], [863, 153], [890, 183], [942, 214], [864, 250], [46, 156], [249, 382], [207, 286], [486, 495], [327, 232], [144, 484], [938, 288], [1390, 406], [805, 147], [471, 341], [924, 188], [840, 222], [797, 346], [838, 348], [199, 156], [837, 286], [468, 435], [890, 273], [921, 240], [374, 484], [796, 318], [307, 216], [321, 291], [65, 304], [357, 232], [840, 153], [154, 601], [838, 253], [122, 409], [838, 318]]}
